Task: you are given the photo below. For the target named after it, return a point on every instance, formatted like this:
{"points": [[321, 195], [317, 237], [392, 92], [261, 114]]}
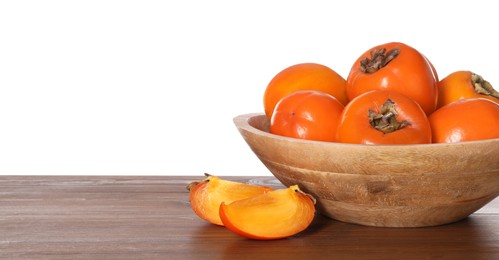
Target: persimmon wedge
{"points": [[206, 196], [272, 215]]}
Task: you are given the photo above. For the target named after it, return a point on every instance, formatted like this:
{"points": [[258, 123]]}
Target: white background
{"points": [[151, 87]]}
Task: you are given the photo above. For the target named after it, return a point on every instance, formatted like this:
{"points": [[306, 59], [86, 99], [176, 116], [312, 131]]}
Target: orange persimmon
{"points": [[206, 196], [272, 215], [303, 76], [307, 114], [466, 119], [397, 67], [383, 117], [464, 84]]}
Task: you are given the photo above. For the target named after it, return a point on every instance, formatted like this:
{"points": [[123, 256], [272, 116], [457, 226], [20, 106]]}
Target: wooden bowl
{"points": [[381, 185]]}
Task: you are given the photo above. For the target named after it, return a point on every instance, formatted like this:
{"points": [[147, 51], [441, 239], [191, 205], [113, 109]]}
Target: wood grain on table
{"points": [[149, 217]]}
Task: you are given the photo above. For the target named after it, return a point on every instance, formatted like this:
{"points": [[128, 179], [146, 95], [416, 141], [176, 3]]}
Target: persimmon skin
{"points": [[355, 127], [303, 76], [459, 85], [410, 73], [273, 215], [307, 114], [464, 120], [206, 196]]}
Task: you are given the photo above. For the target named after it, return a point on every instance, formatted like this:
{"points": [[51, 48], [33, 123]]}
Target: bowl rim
{"points": [[242, 122]]}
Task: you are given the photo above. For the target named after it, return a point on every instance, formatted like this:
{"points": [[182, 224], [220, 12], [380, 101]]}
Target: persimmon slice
{"points": [[206, 196], [272, 215]]}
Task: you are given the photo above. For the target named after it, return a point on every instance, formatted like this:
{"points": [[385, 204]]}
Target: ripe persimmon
{"points": [[272, 215], [398, 67], [303, 76], [206, 196], [464, 84], [466, 119], [383, 117], [307, 114]]}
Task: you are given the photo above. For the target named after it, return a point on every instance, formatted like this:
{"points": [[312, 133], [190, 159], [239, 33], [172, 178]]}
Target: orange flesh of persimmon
{"points": [[273, 215], [207, 195]]}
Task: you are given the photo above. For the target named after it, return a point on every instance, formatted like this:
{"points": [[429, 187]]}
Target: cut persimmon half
{"points": [[272, 215], [206, 196]]}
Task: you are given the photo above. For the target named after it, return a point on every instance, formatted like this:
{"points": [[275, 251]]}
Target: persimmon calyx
{"points": [[482, 86], [378, 60], [386, 119], [192, 184], [297, 189]]}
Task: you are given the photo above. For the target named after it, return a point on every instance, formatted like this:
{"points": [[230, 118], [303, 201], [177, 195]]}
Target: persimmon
{"points": [[272, 215], [463, 120], [303, 76], [307, 114], [206, 195], [464, 84], [383, 117], [397, 67]]}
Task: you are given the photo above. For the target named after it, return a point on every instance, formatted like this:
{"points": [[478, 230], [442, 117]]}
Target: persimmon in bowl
{"points": [[381, 185]]}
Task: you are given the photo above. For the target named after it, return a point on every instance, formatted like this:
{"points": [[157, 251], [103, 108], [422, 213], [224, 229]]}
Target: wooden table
{"points": [[136, 217]]}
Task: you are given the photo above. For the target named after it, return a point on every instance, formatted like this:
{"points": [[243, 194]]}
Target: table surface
{"points": [[149, 217]]}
